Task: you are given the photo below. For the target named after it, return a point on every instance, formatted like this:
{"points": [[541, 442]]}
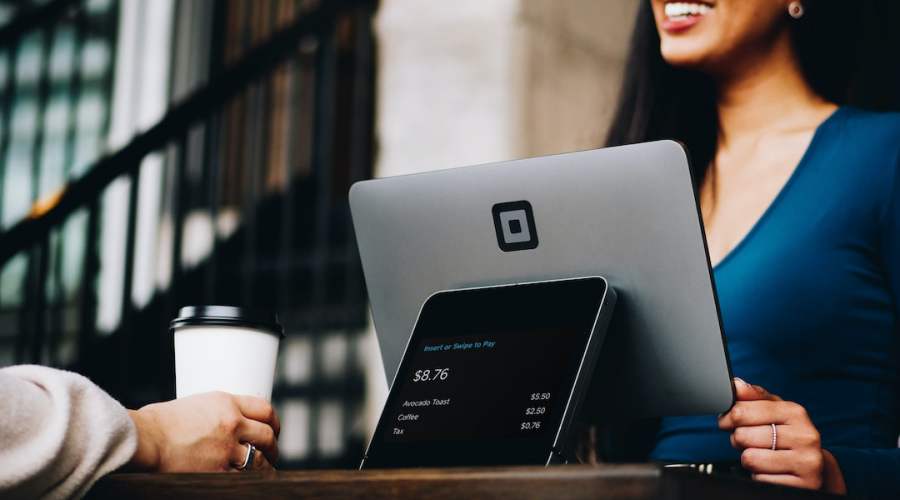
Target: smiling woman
{"points": [[798, 193]]}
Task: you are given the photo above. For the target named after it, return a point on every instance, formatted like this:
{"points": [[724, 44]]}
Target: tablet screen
{"points": [[516, 374], [490, 375]]}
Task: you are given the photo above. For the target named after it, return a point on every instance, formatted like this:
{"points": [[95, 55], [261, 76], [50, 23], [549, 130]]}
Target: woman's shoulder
{"points": [[875, 125], [856, 134]]}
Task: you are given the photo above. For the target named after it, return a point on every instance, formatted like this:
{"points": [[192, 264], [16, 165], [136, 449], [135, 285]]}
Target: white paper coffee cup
{"points": [[224, 348]]}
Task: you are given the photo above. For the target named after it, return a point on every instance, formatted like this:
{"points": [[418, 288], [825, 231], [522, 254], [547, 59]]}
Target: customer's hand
{"points": [[798, 458], [205, 432]]}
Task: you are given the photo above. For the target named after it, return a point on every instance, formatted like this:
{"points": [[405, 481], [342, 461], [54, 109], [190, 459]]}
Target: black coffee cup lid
{"points": [[228, 316]]}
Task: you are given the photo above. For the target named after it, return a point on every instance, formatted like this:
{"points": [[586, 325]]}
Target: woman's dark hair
{"points": [[659, 101]]}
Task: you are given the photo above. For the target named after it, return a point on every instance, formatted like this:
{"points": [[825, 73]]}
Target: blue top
{"points": [[810, 301]]}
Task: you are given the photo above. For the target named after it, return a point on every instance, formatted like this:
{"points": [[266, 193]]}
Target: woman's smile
{"points": [[680, 16]]}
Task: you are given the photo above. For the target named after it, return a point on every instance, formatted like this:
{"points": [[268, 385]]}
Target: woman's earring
{"points": [[795, 9]]}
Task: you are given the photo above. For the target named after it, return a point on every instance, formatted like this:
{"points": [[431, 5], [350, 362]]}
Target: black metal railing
{"points": [[273, 139], [202, 103]]}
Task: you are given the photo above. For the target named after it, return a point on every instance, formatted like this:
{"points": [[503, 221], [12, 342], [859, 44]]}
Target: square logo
{"points": [[514, 224]]}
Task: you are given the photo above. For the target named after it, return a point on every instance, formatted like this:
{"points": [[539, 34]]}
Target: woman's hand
{"points": [[205, 432], [797, 459]]}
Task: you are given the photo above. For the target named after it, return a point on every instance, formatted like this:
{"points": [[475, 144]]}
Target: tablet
{"points": [[493, 376], [626, 213]]}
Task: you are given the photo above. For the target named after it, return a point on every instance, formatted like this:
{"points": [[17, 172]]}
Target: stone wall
{"points": [[474, 81]]}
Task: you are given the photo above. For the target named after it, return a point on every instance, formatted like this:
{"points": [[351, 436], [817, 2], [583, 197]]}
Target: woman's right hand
{"points": [[205, 432]]}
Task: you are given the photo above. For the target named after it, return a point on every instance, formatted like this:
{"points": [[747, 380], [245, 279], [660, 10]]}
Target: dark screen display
{"points": [[501, 384], [488, 376]]}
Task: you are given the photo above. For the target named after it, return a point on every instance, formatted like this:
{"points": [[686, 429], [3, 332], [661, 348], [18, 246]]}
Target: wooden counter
{"points": [[637, 482]]}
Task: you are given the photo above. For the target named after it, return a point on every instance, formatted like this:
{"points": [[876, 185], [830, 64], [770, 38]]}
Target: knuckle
{"points": [[741, 435], [796, 411], [222, 400], [813, 460], [818, 462], [750, 460], [269, 435], [812, 438], [271, 418], [270, 412], [221, 397], [230, 423]]}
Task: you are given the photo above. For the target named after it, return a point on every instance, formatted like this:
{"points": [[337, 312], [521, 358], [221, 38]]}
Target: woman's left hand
{"points": [[789, 454]]}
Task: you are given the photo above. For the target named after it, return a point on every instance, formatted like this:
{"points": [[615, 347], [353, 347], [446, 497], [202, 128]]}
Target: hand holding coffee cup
{"points": [[232, 350], [208, 432]]}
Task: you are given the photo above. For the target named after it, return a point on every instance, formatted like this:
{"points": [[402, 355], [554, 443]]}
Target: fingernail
{"points": [[741, 381]]}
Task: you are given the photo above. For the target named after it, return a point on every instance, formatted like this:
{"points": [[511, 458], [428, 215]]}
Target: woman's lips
{"points": [[684, 15]]}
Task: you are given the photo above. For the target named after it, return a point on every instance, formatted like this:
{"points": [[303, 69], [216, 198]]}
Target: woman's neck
{"points": [[776, 87]]}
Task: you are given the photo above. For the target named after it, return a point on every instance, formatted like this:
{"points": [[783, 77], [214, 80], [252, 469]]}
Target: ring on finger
{"points": [[248, 460], [774, 438]]}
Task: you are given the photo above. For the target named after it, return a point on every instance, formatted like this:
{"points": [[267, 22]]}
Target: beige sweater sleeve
{"points": [[59, 433]]}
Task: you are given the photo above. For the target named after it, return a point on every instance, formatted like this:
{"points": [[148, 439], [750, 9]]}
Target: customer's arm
{"points": [[58, 433]]}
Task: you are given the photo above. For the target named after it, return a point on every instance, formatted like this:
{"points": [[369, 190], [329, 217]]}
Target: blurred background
{"points": [[162, 153]]}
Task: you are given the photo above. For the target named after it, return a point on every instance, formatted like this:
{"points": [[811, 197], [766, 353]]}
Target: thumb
{"points": [[747, 392]]}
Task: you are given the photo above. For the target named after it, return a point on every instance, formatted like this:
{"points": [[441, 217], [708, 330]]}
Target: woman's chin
{"points": [[689, 56], [685, 60]]}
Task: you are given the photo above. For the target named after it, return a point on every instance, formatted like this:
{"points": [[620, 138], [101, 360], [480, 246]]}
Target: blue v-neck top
{"points": [[810, 301]]}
